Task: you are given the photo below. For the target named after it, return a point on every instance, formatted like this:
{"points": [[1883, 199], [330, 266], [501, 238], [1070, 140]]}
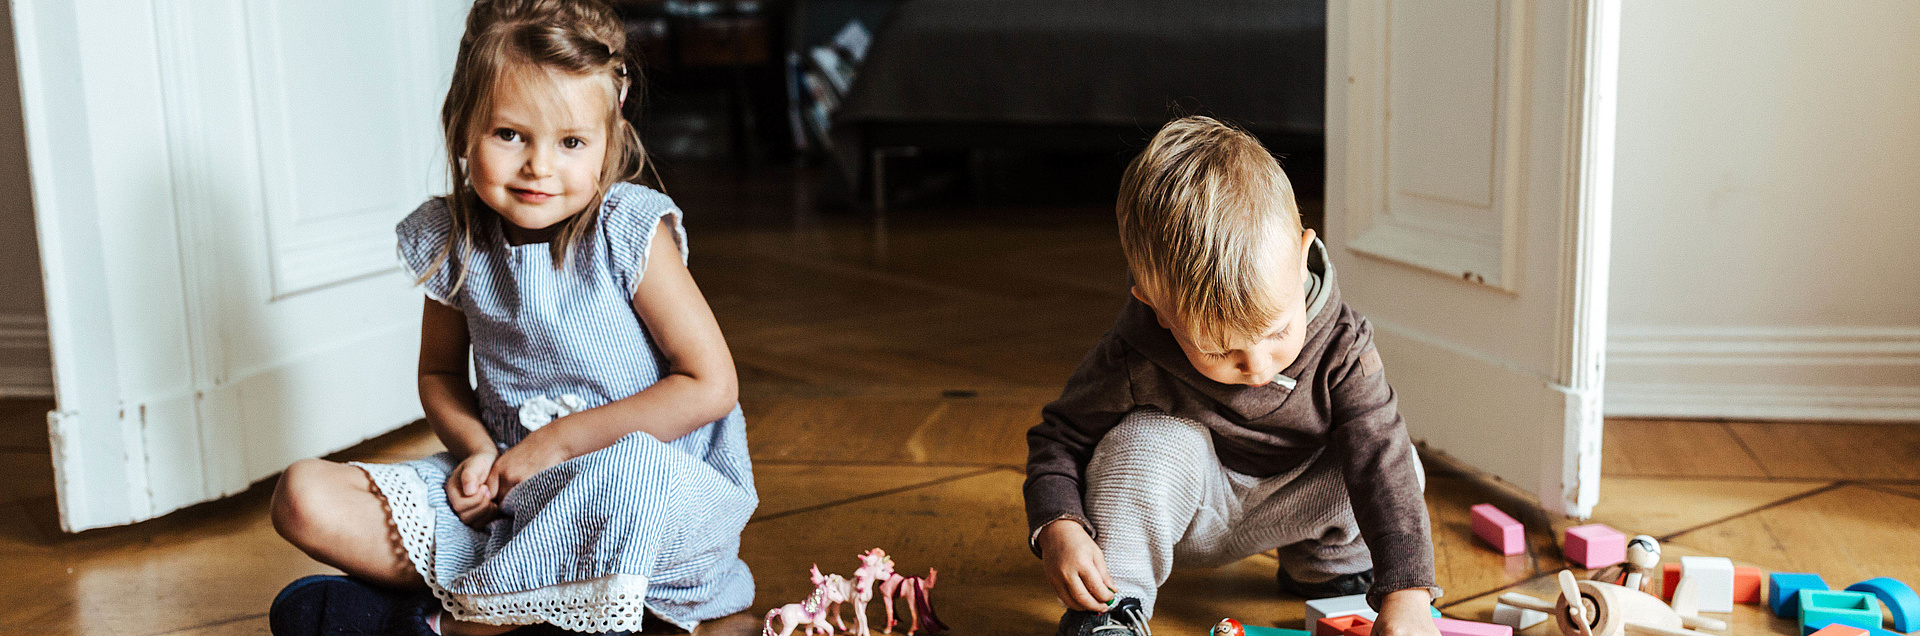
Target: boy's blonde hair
{"points": [[1208, 221], [523, 38]]}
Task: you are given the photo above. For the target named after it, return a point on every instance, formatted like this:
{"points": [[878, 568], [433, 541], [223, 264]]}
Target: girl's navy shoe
{"points": [[341, 606]]}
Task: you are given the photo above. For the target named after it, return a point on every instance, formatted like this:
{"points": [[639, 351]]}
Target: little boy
{"points": [[1236, 406]]}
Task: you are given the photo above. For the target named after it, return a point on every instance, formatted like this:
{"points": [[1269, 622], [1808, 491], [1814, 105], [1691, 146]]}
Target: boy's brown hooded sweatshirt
{"points": [[1334, 395]]}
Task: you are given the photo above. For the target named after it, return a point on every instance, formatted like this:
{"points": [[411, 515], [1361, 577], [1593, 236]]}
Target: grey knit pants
{"points": [[1160, 499]]}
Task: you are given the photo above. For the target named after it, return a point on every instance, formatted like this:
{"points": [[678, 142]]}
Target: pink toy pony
{"points": [[811, 613], [914, 592], [875, 567]]}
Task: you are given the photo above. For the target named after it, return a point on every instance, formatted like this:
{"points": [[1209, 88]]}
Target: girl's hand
{"points": [[1075, 566], [468, 492], [1406, 613], [526, 459]]}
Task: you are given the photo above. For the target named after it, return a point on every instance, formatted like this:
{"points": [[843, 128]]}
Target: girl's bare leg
{"points": [[334, 513]]}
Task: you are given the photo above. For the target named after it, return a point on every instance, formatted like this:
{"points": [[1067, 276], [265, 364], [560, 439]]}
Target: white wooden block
{"points": [[1515, 617], [1347, 606], [1713, 581]]}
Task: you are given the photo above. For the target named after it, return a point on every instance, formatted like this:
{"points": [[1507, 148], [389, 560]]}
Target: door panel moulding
{"points": [[1394, 213]]}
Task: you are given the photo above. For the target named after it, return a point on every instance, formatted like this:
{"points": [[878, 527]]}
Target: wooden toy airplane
{"points": [[1594, 608]]}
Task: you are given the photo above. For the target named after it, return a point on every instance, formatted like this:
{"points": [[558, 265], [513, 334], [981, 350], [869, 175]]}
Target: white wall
{"points": [[1766, 258], [23, 316]]}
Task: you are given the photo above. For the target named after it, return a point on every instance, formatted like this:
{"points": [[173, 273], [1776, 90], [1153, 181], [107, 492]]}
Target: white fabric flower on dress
{"points": [[542, 410]]}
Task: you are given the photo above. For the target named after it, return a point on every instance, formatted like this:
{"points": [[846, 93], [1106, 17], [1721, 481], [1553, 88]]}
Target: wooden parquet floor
{"points": [[887, 401]]}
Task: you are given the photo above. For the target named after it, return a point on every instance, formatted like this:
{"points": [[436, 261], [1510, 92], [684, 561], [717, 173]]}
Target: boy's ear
{"points": [[1306, 249], [1142, 296]]}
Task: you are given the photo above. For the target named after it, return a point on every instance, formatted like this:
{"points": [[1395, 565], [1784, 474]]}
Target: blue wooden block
{"points": [[1899, 599], [1820, 608], [1782, 588]]}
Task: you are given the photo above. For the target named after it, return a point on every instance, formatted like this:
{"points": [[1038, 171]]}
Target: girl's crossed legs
{"points": [[333, 512]]}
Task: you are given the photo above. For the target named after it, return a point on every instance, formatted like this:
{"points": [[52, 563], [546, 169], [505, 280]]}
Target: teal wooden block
{"points": [[1256, 630], [1783, 591], [1820, 608]]}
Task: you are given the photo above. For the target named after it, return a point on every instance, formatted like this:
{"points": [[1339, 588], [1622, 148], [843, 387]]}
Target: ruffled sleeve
{"points": [[422, 237], [629, 217]]}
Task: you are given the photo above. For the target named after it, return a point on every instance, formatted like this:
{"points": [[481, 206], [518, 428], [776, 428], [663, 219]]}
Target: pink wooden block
{"points": [[1499, 530], [1595, 545], [1451, 627]]}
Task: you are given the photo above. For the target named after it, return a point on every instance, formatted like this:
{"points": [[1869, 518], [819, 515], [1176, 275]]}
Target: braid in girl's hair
{"points": [[579, 37]]}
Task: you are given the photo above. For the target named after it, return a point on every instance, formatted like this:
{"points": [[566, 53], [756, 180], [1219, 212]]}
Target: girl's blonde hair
{"points": [[503, 37], [1208, 221]]}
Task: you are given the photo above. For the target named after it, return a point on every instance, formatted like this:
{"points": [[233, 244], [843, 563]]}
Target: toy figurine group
{"points": [[831, 591]]}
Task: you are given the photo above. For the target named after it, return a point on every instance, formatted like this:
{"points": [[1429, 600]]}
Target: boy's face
{"points": [[1255, 363]]}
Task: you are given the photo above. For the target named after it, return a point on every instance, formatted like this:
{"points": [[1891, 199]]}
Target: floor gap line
{"points": [[872, 495], [1728, 427], [1497, 590], [1761, 508], [891, 464]]}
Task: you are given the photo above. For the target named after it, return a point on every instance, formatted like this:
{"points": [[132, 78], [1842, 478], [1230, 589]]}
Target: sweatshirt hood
{"points": [[1319, 279]]}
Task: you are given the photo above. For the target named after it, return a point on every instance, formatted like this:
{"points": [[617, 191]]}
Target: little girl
{"points": [[598, 471]]}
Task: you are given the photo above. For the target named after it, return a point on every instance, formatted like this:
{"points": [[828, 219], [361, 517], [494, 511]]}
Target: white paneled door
{"points": [[215, 184], [1469, 180]]}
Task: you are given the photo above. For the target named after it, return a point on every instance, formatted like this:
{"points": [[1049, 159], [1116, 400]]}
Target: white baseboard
{"points": [[25, 370], [1827, 373]]}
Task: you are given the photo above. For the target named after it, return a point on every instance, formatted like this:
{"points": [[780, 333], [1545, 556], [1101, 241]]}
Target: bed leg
{"points": [[879, 179]]}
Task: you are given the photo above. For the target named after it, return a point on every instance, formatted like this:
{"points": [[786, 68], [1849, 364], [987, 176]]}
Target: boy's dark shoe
{"points": [[338, 605], [1124, 619], [1343, 585]]}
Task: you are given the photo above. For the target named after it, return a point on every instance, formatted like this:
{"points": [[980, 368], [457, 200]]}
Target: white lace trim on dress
{"points": [[615, 602]]}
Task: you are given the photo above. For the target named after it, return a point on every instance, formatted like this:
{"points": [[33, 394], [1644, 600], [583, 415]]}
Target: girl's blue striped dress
{"points": [[592, 543]]}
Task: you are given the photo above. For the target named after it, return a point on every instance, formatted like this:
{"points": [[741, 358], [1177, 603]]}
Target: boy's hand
{"points": [[467, 490], [1075, 566], [1406, 613]]}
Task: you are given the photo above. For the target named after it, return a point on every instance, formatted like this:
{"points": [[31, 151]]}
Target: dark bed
{"points": [[1080, 75]]}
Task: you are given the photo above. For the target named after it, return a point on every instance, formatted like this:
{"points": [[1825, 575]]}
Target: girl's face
{"points": [[538, 159]]}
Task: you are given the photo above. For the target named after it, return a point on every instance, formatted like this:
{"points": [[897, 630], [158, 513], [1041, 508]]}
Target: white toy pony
{"points": [[811, 613], [875, 567]]}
